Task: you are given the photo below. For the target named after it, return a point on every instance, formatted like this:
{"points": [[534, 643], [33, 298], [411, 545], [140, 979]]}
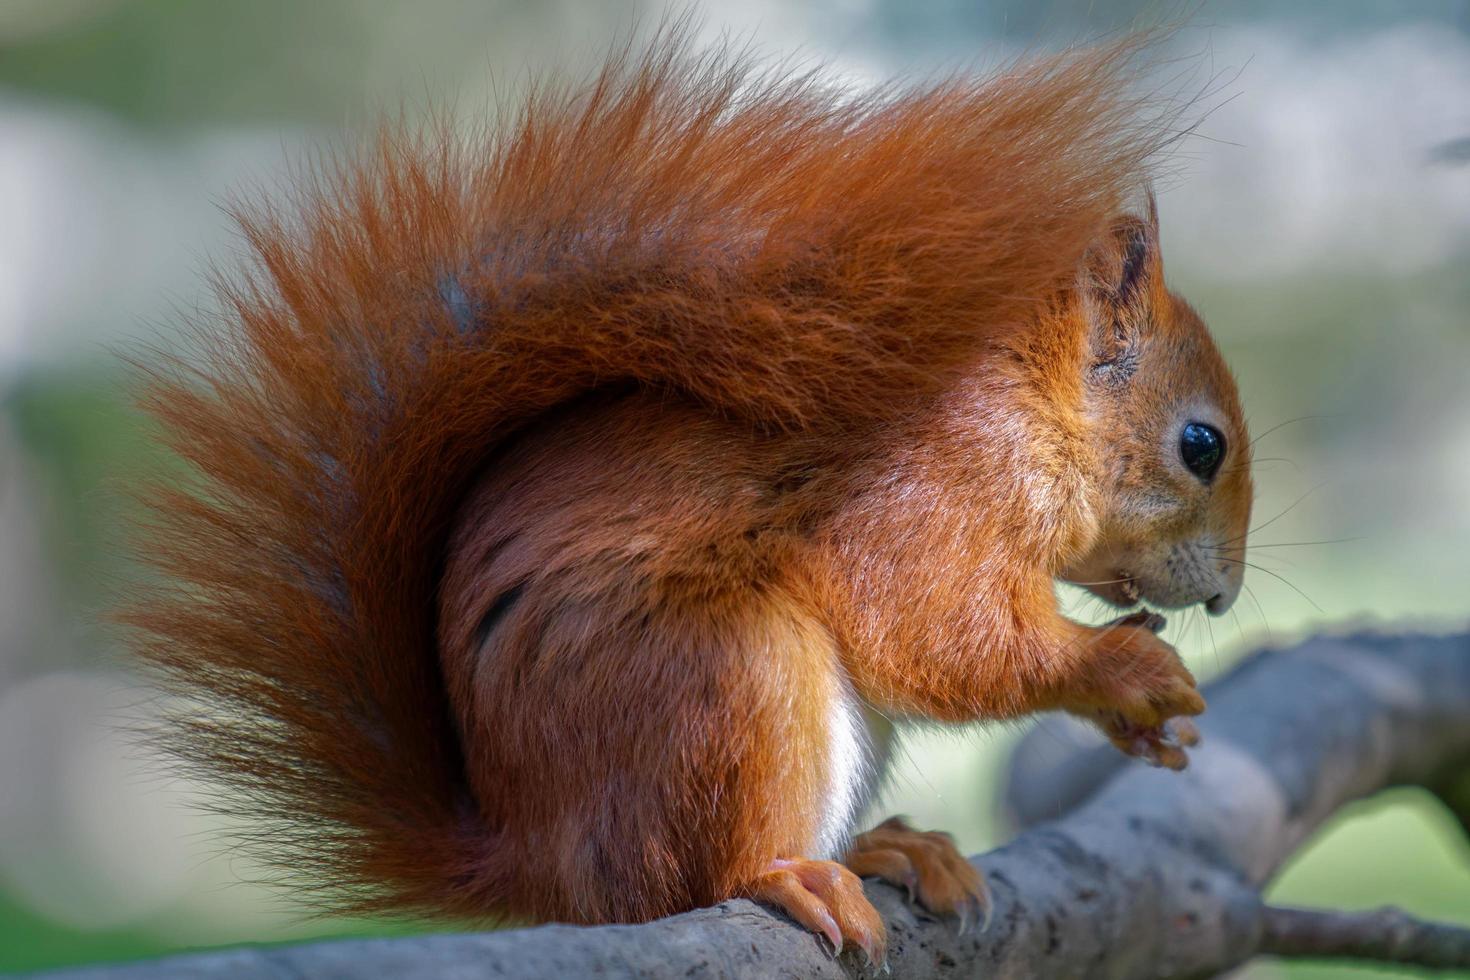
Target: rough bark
{"points": [[1136, 873]]}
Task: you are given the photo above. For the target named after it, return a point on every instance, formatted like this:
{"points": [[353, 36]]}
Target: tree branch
{"points": [[1140, 873], [1386, 934]]}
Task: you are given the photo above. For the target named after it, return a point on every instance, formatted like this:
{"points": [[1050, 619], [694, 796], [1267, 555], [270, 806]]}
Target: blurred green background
{"points": [[1320, 221]]}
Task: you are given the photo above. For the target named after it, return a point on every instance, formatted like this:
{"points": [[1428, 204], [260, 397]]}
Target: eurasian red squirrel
{"points": [[576, 504]]}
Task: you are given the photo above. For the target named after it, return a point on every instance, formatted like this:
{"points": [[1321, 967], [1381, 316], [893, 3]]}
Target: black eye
{"points": [[1202, 447]]}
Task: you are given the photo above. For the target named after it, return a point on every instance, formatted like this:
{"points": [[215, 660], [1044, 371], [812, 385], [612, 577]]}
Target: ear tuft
{"points": [[1137, 245], [1136, 238], [1126, 263]]}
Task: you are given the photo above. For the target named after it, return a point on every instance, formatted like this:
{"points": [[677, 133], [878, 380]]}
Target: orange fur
{"points": [[551, 487]]}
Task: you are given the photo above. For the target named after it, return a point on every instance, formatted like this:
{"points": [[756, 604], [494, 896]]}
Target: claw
{"points": [[1182, 731], [827, 899], [1143, 715], [832, 934], [979, 902], [976, 910], [873, 945], [1171, 757], [1149, 620]]}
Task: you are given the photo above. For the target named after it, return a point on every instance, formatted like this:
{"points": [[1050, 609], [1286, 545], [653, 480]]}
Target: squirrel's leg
{"points": [[643, 761], [820, 894], [923, 639], [1122, 677], [651, 721]]}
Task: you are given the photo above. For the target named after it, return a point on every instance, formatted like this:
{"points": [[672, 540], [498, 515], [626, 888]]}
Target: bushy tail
{"points": [[753, 240]]}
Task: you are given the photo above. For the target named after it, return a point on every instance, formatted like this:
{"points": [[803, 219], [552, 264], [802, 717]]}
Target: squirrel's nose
{"points": [[1230, 582]]}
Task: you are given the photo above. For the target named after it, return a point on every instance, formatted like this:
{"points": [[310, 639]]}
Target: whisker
{"points": [[1259, 611], [1303, 544], [1275, 558], [1288, 510], [1094, 606], [1210, 631], [1282, 425], [1239, 626], [1249, 463], [1282, 578]]}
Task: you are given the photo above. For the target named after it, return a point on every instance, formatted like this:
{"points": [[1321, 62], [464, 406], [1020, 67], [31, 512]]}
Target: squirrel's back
{"points": [[753, 243]]}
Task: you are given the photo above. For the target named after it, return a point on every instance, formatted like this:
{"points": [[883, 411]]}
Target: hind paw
{"points": [[826, 898], [928, 865]]}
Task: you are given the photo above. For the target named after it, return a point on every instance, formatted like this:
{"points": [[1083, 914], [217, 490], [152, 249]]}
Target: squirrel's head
{"points": [[1173, 457]]}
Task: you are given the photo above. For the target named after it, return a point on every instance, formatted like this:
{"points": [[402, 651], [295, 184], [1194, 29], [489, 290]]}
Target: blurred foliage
{"points": [[177, 63], [181, 61], [30, 941], [83, 439], [958, 24]]}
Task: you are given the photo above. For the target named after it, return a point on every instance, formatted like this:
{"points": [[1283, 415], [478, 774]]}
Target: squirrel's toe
{"points": [[947, 883], [826, 898]]}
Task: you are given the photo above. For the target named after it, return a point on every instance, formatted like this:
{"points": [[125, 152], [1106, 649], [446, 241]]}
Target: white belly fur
{"points": [[859, 745]]}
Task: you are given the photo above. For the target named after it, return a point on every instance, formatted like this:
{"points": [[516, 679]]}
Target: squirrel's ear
{"points": [[1120, 280], [1134, 261]]}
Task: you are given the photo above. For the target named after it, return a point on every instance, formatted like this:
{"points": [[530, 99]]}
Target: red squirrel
{"points": [[572, 506]]}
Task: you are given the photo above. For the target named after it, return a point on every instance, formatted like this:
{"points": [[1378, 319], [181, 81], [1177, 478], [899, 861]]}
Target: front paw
{"points": [[1138, 691]]}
